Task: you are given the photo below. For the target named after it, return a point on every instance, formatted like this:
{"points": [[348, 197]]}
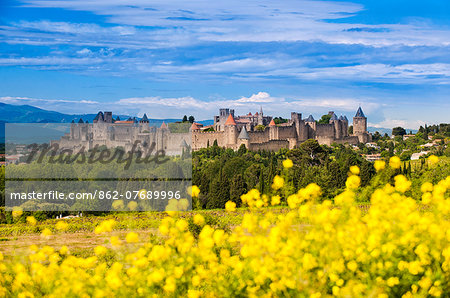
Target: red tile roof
{"points": [[194, 126], [230, 120]]}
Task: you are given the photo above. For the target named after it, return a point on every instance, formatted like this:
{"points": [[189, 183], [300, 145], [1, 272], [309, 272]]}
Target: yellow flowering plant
{"points": [[317, 248]]}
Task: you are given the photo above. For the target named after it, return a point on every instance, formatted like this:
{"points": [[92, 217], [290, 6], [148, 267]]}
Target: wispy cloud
{"points": [[166, 107], [35, 101], [311, 55], [65, 106], [234, 40], [405, 123], [258, 21]]}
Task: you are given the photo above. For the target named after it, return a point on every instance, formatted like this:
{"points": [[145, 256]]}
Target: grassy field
{"points": [[81, 239]]}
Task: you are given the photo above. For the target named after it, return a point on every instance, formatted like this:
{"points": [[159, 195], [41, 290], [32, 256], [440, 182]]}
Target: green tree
{"points": [[398, 131], [185, 119], [312, 153], [242, 149], [350, 130], [376, 136], [191, 119], [325, 119], [237, 188], [425, 133], [261, 181], [279, 120], [219, 192]]}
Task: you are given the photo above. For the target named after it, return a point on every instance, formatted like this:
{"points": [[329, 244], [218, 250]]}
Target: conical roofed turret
{"points": [[144, 119], [310, 119], [230, 120], [244, 135], [360, 113]]}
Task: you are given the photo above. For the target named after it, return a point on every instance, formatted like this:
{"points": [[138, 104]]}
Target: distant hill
{"points": [[29, 114], [382, 130]]}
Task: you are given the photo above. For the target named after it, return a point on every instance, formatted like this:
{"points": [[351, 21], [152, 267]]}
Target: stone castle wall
{"points": [[259, 136], [289, 135], [202, 139], [285, 132], [113, 136], [273, 145]]}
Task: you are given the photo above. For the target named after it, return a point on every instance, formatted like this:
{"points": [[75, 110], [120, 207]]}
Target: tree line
{"points": [[224, 174]]}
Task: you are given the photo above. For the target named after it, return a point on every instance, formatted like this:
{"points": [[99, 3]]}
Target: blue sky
{"points": [[169, 58]]}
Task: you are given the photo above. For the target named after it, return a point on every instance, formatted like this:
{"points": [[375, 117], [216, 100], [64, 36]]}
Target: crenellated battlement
{"points": [[230, 131]]}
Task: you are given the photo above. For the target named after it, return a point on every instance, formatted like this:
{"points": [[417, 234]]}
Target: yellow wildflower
{"points": [[46, 232], [353, 182], [275, 200], [64, 250], [392, 281], [17, 212], [426, 198], [118, 204], [426, 187], [105, 226], [132, 205], [394, 162], [354, 170], [61, 225], [230, 206], [278, 182], [194, 191], [199, 220], [132, 237], [379, 165], [115, 241], [287, 163], [182, 225], [31, 220], [100, 250], [433, 159], [401, 183]]}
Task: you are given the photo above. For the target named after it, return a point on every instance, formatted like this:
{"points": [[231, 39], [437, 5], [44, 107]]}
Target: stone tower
{"points": [[244, 138], [231, 132], [337, 126], [359, 122], [360, 127], [344, 125], [260, 116]]}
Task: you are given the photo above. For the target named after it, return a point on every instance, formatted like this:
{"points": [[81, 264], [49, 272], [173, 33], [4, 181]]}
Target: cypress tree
{"points": [[261, 181]]}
